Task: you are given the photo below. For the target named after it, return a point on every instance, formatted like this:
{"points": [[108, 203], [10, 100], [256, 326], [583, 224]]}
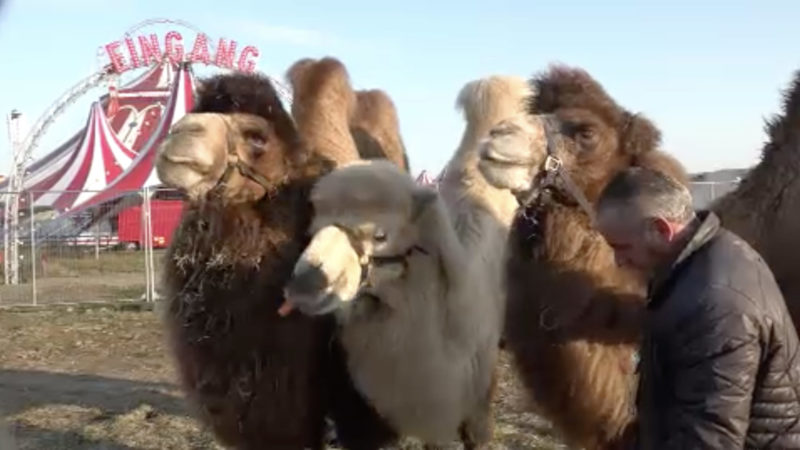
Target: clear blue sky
{"points": [[708, 72]]}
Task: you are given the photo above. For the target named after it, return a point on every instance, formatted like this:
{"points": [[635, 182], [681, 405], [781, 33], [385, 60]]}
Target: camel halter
{"points": [[551, 183], [235, 163], [552, 176], [377, 261]]}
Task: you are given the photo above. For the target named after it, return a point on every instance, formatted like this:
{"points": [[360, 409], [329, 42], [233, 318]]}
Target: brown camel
{"points": [[257, 379], [763, 208], [571, 312]]}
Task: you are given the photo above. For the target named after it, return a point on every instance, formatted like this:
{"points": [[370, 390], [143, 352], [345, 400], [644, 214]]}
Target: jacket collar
{"points": [[706, 230]]}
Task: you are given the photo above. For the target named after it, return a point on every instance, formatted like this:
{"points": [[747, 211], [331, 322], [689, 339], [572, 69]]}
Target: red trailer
{"points": [[165, 216]]}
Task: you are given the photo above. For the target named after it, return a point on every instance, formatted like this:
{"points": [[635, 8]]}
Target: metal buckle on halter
{"points": [[552, 164]]}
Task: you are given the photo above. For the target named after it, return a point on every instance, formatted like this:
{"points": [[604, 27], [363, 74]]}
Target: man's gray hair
{"points": [[652, 192]]}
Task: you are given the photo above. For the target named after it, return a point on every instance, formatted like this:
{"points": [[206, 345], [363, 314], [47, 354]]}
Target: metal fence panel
{"points": [[705, 192], [114, 252], [106, 253]]}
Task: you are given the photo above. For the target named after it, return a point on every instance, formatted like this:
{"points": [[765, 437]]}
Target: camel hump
{"points": [[326, 78], [376, 105], [376, 128]]}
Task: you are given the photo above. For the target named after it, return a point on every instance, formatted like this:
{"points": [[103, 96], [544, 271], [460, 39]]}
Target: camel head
{"points": [[238, 142], [572, 129], [364, 227]]}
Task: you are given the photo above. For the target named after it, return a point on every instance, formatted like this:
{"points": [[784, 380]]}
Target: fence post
{"points": [[147, 243], [97, 241], [6, 241], [150, 247], [33, 248]]}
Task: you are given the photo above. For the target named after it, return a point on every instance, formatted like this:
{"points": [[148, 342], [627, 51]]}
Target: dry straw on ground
{"points": [[99, 378]]}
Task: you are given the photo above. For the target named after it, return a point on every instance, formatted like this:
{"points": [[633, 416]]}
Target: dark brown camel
{"points": [[765, 208], [567, 299], [257, 379]]}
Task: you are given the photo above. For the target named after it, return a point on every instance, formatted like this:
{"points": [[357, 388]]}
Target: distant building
{"points": [[709, 186]]}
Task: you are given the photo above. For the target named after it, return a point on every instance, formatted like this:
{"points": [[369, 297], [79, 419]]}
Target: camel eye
{"points": [[379, 236], [257, 143], [586, 133]]}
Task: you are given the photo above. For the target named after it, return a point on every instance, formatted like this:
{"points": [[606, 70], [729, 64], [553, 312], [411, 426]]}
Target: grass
{"points": [[72, 274], [80, 378]]}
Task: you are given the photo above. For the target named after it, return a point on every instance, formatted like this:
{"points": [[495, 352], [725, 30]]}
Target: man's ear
{"points": [[422, 199], [661, 230]]}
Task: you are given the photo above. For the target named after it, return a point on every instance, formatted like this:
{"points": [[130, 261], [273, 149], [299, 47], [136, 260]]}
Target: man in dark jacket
{"points": [[719, 365]]}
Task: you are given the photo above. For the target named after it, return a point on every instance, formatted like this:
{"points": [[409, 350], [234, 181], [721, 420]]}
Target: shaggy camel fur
{"points": [[421, 333], [763, 209], [258, 380], [571, 321], [368, 129]]}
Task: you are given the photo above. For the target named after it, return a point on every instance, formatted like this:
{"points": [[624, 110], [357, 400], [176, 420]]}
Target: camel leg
{"points": [[358, 426], [476, 432]]}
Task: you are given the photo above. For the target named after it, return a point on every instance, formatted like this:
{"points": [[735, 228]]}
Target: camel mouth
{"points": [[491, 156], [505, 171], [186, 163], [499, 160]]}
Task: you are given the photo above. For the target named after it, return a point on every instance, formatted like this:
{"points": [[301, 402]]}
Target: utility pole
{"points": [[11, 207]]}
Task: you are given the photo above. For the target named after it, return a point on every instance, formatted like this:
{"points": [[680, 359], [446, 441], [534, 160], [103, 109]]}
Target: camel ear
{"points": [[422, 200], [640, 135]]}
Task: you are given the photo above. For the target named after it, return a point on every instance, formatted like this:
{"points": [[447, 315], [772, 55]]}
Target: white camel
{"points": [[416, 319]]}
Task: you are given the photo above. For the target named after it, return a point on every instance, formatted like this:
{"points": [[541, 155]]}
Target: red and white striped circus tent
{"points": [[141, 173], [134, 111], [425, 178], [110, 157], [97, 159], [136, 108]]}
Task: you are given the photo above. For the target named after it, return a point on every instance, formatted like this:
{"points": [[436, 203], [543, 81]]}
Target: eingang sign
{"points": [[130, 53]]}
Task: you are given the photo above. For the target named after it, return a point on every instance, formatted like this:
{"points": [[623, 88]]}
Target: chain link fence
{"points": [[113, 252], [705, 192], [100, 254]]}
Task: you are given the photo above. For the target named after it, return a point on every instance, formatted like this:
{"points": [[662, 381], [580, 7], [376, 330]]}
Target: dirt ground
{"points": [[99, 378]]}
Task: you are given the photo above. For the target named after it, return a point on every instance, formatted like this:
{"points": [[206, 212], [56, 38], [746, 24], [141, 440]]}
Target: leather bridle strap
{"points": [[552, 172], [235, 163], [374, 261]]}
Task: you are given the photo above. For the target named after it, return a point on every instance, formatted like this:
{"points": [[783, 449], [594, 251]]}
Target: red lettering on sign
{"points": [[245, 64], [225, 55], [116, 59], [132, 51], [150, 50], [200, 50], [174, 53]]}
